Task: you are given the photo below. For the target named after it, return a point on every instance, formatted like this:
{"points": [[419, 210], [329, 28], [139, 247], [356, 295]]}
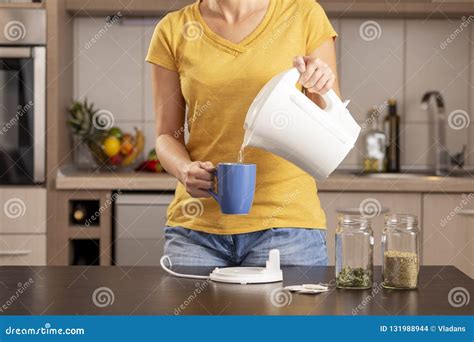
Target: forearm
{"points": [[173, 155]]}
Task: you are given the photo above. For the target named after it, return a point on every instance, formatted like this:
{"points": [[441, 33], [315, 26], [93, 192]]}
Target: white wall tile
{"points": [[433, 65], [371, 71], [416, 148], [372, 65], [436, 64], [150, 136], [109, 72], [147, 90], [336, 24]]}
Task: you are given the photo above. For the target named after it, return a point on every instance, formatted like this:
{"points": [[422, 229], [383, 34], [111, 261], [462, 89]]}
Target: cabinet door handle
{"points": [[466, 212], [14, 253]]}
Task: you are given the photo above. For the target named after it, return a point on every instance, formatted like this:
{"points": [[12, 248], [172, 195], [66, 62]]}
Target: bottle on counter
{"points": [[400, 246], [392, 132], [78, 214], [354, 252], [375, 144]]}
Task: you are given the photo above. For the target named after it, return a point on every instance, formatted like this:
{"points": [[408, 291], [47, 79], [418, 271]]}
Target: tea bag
{"points": [[308, 288]]}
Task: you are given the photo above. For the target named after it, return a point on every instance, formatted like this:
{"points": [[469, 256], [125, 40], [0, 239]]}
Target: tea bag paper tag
{"points": [[307, 288]]}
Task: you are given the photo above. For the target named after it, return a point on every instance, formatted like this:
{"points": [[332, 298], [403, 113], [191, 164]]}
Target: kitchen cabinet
{"points": [[22, 226], [339, 8], [376, 206], [449, 230], [139, 228], [22, 250], [23, 210]]}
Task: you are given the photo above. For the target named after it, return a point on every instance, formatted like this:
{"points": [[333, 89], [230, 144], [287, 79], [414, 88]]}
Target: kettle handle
{"points": [[293, 75]]}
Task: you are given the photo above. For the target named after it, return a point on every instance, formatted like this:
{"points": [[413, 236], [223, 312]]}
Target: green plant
{"points": [[81, 121], [81, 118]]}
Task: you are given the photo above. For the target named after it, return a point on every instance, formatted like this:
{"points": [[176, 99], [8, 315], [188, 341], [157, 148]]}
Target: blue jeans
{"points": [[298, 247]]}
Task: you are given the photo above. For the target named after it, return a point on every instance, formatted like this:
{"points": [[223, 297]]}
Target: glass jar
{"points": [[354, 252], [400, 247]]}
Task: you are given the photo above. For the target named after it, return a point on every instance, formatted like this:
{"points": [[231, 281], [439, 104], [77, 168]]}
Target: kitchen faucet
{"points": [[433, 103]]}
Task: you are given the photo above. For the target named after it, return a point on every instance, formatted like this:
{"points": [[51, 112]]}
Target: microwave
{"points": [[22, 96]]}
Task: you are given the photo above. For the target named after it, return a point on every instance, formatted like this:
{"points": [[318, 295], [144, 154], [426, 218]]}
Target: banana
{"points": [[138, 148]]}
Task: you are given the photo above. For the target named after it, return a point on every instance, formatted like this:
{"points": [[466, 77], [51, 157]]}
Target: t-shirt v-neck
{"points": [[226, 44]]}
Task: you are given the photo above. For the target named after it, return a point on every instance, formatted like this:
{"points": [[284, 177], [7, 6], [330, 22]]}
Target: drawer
{"points": [[449, 231], [138, 252], [27, 250], [141, 216], [22, 210]]}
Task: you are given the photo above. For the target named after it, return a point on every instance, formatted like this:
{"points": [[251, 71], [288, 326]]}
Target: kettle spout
{"points": [[247, 138]]}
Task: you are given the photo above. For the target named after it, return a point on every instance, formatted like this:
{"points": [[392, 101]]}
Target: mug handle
{"points": [[212, 192]]}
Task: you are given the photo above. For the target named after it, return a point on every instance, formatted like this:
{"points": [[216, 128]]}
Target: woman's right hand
{"points": [[197, 178]]}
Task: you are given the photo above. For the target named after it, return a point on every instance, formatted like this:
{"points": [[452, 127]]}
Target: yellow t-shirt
{"points": [[219, 80]]}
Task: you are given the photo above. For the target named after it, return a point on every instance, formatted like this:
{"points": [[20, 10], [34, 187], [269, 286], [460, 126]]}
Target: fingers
{"points": [[299, 63], [208, 166], [200, 184], [198, 193], [198, 179], [202, 174], [317, 76], [313, 78], [312, 67], [198, 188], [320, 84]]}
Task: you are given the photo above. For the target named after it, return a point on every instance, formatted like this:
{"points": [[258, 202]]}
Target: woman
{"points": [[210, 60]]}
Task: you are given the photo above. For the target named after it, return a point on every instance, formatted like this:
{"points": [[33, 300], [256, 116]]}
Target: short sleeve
{"points": [[161, 51], [318, 26]]}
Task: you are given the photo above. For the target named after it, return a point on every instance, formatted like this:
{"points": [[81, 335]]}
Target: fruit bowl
{"points": [[114, 149]]}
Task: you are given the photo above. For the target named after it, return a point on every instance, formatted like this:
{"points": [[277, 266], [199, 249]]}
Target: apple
{"points": [[115, 160]]}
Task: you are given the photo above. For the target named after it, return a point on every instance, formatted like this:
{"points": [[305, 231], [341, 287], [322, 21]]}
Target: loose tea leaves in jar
{"points": [[400, 269], [354, 277]]}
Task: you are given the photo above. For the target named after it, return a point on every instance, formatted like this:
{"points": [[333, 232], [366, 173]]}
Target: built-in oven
{"points": [[22, 96]]}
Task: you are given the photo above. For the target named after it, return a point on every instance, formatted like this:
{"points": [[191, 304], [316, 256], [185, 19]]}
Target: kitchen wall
{"points": [[377, 59]]}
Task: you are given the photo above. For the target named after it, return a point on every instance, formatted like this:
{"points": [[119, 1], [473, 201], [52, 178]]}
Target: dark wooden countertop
{"points": [[150, 291]]}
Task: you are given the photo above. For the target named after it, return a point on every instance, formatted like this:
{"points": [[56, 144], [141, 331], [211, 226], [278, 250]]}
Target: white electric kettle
{"points": [[282, 120]]}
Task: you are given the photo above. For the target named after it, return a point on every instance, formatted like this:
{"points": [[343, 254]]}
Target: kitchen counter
{"points": [[69, 178], [150, 291]]}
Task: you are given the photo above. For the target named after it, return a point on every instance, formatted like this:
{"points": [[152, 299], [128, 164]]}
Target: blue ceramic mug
{"points": [[235, 187]]}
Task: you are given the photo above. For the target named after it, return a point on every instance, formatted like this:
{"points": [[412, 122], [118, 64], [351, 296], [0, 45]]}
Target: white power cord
{"points": [[179, 275]]}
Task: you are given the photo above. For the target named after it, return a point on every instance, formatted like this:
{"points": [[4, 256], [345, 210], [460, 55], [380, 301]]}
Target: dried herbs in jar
{"points": [[354, 278], [400, 269]]}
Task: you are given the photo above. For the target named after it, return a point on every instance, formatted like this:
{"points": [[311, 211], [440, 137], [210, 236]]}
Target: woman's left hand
{"points": [[316, 76]]}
